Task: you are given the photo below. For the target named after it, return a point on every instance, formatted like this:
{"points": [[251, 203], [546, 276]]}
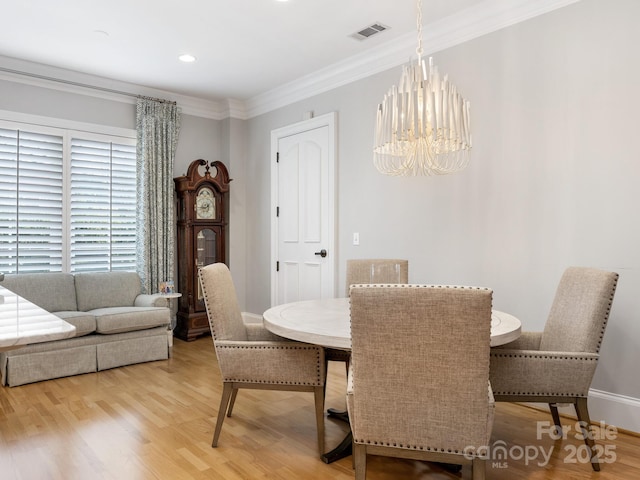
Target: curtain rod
{"points": [[85, 85]]}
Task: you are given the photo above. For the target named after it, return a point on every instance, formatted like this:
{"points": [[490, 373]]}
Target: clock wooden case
{"points": [[201, 231]]}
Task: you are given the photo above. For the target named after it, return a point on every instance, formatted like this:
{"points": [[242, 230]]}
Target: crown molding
{"points": [[486, 17], [54, 78]]}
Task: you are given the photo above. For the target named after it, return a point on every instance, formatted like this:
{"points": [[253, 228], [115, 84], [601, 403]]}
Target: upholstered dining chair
{"points": [[557, 365], [249, 356], [418, 386], [376, 270], [368, 271]]}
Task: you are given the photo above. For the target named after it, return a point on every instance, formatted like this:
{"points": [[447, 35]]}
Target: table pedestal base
{"points": [[345, 446]]}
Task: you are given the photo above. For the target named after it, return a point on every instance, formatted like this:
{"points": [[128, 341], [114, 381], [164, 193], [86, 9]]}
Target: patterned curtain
{"points": [[158, 126]]}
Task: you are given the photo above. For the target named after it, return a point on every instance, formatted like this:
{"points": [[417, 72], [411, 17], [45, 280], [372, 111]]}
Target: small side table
{"points": [[169, 297]]}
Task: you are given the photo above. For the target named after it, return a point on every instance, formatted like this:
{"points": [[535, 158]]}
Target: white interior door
{"points": [[303, 205]]}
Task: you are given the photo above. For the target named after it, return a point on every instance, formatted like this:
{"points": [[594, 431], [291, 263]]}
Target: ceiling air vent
{"points": [[369, 31]]}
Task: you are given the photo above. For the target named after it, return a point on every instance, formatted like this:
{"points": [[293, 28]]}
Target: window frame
{"points": [[67, 129]]}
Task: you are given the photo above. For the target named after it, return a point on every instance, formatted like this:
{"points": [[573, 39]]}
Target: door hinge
{"points": [[277, 157], [277, 211], [277, 266]]}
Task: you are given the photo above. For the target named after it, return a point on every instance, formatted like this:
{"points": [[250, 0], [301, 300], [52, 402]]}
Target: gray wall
{"points": [[552, 183], [199, 137], [553, 180], [35, 100]]}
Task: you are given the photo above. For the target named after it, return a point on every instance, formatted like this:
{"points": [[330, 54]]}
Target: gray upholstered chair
{"points": [[249, 356], [376, 270], [368, 271], [557, 365], [418, 384]]}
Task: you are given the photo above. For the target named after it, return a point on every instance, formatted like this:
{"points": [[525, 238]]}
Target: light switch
{"points": [[356, 238]]}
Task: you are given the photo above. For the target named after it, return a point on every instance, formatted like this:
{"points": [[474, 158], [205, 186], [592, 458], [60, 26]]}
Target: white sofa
{"points": [[115, 325]]}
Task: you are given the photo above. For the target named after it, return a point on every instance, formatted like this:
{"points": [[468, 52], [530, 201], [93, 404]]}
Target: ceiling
{"points": [[244, 48]]}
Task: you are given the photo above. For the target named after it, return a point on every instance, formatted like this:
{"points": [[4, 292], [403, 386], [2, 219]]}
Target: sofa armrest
{"points": [[150, 300]]}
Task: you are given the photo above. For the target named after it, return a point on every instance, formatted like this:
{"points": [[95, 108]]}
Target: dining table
{"points": [[327, 322]]}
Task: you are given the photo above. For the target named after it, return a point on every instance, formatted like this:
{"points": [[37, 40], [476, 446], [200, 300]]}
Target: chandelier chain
{"points": [[419, 50]]}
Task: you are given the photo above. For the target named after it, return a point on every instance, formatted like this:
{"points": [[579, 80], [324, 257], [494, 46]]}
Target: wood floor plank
{"points": [[155, 421]]}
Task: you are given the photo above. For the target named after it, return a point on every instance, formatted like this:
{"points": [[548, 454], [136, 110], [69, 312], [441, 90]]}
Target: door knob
{"points": [[322, 253]]}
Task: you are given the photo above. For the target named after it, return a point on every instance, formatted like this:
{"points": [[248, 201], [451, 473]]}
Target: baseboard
{"points": [[613, 409], [620, 411]]}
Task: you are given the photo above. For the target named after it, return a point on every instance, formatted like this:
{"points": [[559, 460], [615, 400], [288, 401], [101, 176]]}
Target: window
{"points": [[67, 200], [31, 171], [103, 206]]}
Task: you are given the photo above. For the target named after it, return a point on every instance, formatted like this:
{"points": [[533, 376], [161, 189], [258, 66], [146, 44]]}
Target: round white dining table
{"points": [[326, 322]]}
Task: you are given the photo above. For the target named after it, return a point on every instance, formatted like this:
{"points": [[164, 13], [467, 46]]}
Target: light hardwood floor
{"points": [[155, 421]]}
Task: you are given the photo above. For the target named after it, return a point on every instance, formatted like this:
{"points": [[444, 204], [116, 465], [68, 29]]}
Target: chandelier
{"points": [[422, 125]]}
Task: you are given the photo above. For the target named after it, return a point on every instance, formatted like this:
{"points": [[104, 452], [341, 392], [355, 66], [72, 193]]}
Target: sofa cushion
{"points": [[106, 289], [54, 292], [127, 319], [85, 323]]}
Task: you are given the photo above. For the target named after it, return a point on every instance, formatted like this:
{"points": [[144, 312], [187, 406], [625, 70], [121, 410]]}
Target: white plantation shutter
{"points": [[123, 207], [67, 200], [31, 192], [103, 206]]}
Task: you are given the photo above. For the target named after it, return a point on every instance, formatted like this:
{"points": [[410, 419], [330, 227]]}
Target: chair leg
{"points": [[585, 425], [360, 460], [232, 402], [319, 403], [478, 468], [556, 418], [224, 401]]}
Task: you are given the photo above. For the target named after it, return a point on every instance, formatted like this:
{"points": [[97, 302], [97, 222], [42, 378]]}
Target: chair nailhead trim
{"points": [[542, 394], [412, 285], [536, 355], [409, 447], [270, 382], [606, 316]]}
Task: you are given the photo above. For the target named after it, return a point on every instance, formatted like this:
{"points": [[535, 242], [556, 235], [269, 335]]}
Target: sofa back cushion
{"points": [[106, 289], [55, 292]]}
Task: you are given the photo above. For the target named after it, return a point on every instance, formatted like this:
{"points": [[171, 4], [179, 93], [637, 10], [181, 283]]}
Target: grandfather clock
{"points": [[202, 210]]}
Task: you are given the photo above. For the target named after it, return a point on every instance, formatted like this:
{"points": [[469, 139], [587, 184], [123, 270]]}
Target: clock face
{"points": [[205, 204]]}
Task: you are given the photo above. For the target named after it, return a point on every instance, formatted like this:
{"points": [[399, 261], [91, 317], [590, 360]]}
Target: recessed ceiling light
{"points": [[187, 58]]}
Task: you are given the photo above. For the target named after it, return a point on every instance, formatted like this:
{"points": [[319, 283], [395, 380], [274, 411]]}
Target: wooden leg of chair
{"points": [[556, 418], [478, 468], [232, 402], [585, 424], [319, 402], [360, 460], [224, 401]]}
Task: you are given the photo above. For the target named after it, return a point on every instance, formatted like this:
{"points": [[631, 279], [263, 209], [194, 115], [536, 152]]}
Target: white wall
{"points": [[552, 183]]}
